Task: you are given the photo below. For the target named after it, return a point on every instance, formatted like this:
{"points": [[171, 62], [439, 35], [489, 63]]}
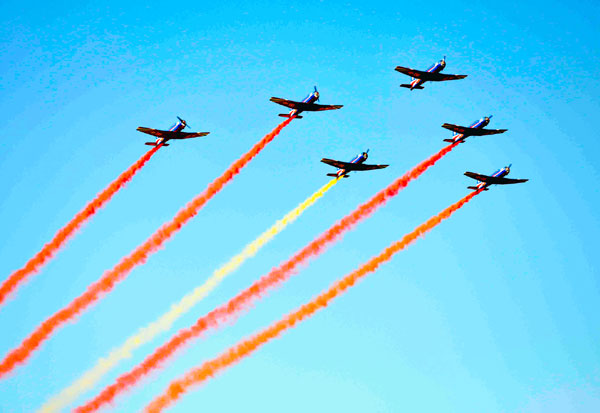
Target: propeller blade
{"points": [[185, 125]]}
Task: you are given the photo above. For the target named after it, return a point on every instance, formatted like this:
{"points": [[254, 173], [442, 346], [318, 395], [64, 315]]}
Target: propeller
{"points": [[508, 167], [185, 125], [317, 93]]}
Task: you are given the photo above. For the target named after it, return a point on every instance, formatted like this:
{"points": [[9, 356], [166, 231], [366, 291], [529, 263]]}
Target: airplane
{"points": [[174, 132], [355, 164], [308, 104], [475, 129], [497, 178], [432, 75]]}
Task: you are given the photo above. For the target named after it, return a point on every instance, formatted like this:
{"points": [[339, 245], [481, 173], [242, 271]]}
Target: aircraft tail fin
{"points": [[286, 115]]}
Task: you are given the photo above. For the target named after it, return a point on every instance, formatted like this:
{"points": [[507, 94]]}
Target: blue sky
{"points": [[495, 310]]}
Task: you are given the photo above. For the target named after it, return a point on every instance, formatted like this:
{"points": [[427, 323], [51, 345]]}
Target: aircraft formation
{"points": [[138, 256], [418, 78]]}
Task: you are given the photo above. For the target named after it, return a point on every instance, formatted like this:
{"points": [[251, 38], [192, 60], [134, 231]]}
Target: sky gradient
{"points": [[494, 310]]}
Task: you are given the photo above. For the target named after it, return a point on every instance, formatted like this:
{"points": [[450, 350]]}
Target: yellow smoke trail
{"points": [[164, 323]]}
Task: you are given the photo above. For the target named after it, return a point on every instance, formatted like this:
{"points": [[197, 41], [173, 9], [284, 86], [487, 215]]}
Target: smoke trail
{"points": [[234, 354], [106, 283], [164, 323], [65, 233], [256, 290]]}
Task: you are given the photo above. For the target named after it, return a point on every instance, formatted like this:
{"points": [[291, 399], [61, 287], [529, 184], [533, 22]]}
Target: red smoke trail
{"points": [[65, 233], [234, 354], [256, 290], [106, 283]]}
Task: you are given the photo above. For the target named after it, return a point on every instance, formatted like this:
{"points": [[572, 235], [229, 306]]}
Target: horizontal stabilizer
{"points": [[331, 174], [154, 144], [408, 86], [448, 140], [286, 115]]}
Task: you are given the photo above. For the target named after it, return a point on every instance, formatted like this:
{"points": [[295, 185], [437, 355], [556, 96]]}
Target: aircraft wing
{"points": [[349, 166], [289, 103], [472, 131], [187, 135], [304, 106], [411, 72], [482, 132], [494, 180], [171, 135], [435, 77], [314, 107], [440, 77], [153, 132]]}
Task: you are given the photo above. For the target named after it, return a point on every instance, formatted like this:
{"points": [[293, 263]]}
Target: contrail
{"points": [[234, 354], [106, 283], [164, 323], [65, 233], [256, 290]]}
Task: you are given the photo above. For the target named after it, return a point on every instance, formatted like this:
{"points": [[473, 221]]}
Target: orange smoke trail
{"points": [[256, 290], [106, 283], [234, 354], [65, 233]]}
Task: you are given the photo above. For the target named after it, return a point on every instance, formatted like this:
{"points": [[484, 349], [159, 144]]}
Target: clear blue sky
{"points": [[495, 310]]}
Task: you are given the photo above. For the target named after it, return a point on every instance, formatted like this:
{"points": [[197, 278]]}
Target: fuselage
{"points": [[311, 98], [435, 68], [177, 127], [357, 159], [498, 174], [481, 123]]}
